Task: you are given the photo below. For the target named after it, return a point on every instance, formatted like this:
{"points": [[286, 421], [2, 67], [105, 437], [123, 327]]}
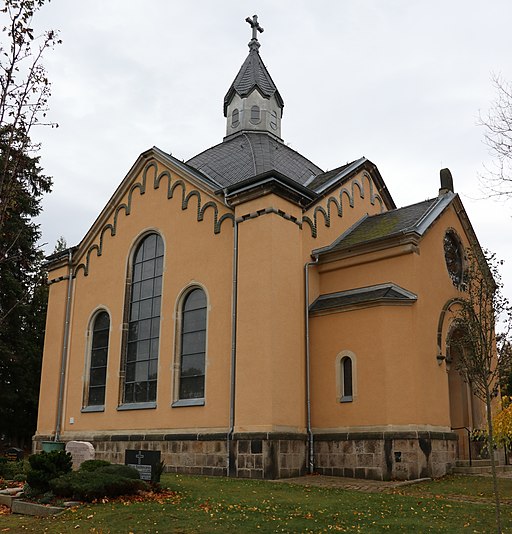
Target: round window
{"points": [[454, 257]]}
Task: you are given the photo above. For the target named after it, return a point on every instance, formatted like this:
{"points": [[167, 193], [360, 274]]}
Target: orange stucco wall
{"points": [[399, 381]]}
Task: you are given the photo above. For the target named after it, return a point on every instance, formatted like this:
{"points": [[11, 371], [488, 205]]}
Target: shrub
{"points": [[107, 481], [46, 466], [11, 470], [92, 465]]}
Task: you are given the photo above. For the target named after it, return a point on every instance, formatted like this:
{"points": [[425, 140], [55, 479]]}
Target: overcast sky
{"points": [[401, 82]]}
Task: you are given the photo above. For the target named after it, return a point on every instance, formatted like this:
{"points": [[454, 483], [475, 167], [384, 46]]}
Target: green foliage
{"points": [[46, 466], [106, 481], [92, 465], [24, 90], [11, 470]]}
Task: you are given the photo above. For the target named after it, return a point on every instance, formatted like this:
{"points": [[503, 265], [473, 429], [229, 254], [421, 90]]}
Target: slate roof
{"points": [[252, 74], [415, 218], [379, 294], [249, 154], [326, 177]]}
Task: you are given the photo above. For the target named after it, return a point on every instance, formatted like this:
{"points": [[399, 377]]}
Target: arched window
{"points": [[346, 379], [97, 365], [345, 376], [192, 348], [255, 114], [141, 359], [235, 118]]}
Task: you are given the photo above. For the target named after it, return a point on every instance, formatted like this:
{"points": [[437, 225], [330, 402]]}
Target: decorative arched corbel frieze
{"points": [[338, 202], [141, 188]]}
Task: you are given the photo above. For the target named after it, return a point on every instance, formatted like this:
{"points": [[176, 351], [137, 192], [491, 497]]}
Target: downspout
{"points": [[65, 347], [310, 460], [233, 346]]}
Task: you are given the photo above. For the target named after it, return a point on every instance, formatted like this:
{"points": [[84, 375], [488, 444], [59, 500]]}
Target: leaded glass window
{"points": [[193, 345], [141, 364], [255, 114], [98, 360]]}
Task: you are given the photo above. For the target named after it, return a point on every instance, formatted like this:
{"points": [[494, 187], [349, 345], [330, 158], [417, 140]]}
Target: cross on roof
{"points": [[255, 26]]}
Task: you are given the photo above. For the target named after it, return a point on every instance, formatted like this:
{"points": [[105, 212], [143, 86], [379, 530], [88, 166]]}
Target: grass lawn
{"points": [[214, 504]]}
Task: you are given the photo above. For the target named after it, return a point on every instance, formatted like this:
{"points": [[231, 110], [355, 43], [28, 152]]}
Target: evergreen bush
{"points": [[46, 466], [92, 465], [106, 481]]}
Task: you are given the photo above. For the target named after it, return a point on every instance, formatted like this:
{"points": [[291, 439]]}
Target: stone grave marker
{"points": [[147, 463], [14, 454], [80, 452]]}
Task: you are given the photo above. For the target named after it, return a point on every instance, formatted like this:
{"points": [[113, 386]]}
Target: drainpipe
{"points": [[310, 460], [233, 344], [65, 348]]}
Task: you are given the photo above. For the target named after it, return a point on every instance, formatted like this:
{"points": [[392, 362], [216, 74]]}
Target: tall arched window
{"points": [[345, 376], [97, 366], [141, 361], [255, 114], [192, 347]]}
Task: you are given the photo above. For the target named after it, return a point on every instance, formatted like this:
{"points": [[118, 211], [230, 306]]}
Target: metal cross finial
{"points": [[255, 26]]}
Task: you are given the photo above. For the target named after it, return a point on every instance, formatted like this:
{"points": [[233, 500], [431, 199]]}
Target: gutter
{"points": [[232, 390], [65, 348], [310, 461]]}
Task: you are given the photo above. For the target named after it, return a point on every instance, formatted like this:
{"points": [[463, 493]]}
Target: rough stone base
{"points": [[264, 456], [385, 455]]}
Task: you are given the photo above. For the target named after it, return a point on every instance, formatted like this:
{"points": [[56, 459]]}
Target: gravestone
{"points": [[147, 463], [80, 452], [14, 454]]}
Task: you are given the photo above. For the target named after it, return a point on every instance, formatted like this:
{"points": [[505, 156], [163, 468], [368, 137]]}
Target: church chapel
{"points": [[248, 314]]}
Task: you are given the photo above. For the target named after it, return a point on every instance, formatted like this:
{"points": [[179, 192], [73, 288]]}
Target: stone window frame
{"points": [[178, 402], [339, 373], [122, 403], [86, 407]]}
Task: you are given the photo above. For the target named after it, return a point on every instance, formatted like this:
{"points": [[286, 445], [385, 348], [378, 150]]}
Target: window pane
{"points": [[138, 254], [97, 377], [140, 391], [153, 369], [192, 388], [100, 339], [154, 348], [146, 290], [195, 299], [145, 308], [194, 320], [134, 315], [144, 329], [150, 246], [141, 371], [99, 357], [137, 272], [128, 392], [152, 391], [143, 350], [155, 327], [96, 396], [136, 291], [193, 342], [132, 351], [148, 269], [130, 372], [102, 321], [159, 266], [347, 377], [159, 246], [192, 365], [158, 286]]}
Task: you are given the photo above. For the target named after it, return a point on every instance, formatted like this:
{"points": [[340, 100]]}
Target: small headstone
{"points": [[147, 463], [14, 454], [80, 452]]}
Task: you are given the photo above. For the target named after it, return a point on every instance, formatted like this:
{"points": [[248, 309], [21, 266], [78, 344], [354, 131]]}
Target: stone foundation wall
{"points": [[385, 455], [266, 455]]}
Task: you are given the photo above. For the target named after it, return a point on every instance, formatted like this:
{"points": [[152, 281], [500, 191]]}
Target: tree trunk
{"points": [[490, 445]]}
